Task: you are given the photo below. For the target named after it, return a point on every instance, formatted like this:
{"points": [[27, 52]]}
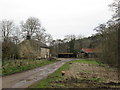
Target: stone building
{"points": [[33, 49]]}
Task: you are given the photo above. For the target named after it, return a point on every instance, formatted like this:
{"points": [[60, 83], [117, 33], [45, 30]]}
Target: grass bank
{"points": [[14, 66], [78, 74], [46, 83]]}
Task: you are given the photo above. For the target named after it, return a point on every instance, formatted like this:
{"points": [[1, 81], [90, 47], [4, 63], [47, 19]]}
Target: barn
{"points": [[87, 53], [66, 55]]}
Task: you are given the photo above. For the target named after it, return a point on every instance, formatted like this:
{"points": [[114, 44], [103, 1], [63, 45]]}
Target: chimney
{"points": [[28, 37]]}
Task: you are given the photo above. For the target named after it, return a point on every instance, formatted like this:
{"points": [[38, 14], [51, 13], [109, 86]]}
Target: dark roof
{"points": [[88, 50], [39, 43], [35, 43]]}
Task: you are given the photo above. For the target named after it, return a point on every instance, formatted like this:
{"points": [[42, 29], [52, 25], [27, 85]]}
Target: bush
{"points": [[9, 50]]}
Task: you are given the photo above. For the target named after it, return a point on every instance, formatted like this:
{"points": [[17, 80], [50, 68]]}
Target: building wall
{"points": [[26, 51], [86, 55], [33, 50], [45, 53]]}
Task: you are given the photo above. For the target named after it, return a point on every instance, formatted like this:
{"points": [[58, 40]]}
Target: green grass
{"points": [[56, 76], [89, 61], [14, 66], [45, 83]]}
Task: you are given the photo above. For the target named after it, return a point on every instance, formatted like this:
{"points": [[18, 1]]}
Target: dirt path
{"points": [[27, 78]]}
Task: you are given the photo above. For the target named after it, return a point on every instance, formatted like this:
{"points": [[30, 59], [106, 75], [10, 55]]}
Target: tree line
{"points": [[105, 40], [72, 44], [108, 37]]}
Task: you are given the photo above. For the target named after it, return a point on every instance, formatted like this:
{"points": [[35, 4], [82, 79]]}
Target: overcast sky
{"points": [[59, 17]]}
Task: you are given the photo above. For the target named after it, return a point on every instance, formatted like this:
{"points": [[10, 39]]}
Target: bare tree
{"points": [[49, 39], [71, 42], [80, 36], [16, 35], [70, 37], [100, 28], [31, 26], [115, 6], [42, 36], [9, 49], [6, 27]]}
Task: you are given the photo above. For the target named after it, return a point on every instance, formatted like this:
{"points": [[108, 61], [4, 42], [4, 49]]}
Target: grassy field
{"points": [[78, 74], [14, 66]]}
